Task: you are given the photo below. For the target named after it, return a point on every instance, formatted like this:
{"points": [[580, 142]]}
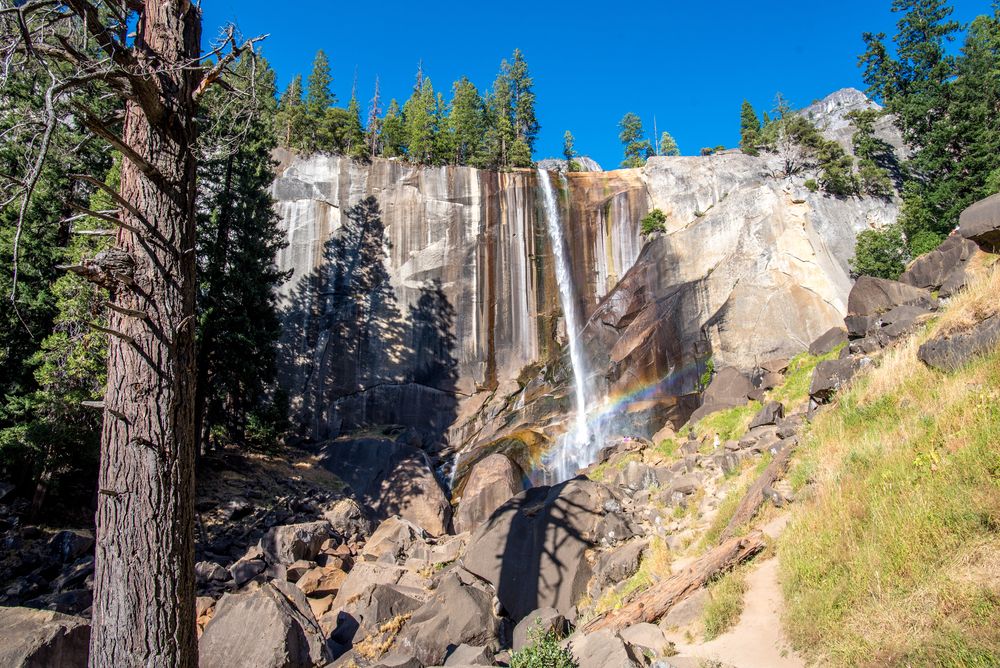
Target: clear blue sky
{"points": [[689, 64]]}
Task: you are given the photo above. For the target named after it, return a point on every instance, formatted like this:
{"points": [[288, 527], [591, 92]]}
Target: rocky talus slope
{"points": [[630, 564]]}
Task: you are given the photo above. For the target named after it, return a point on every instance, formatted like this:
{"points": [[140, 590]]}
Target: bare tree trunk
{"points": [[754, 498], [144, 572]]}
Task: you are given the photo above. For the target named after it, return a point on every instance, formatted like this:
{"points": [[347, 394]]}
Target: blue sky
{"points": [[689, 64]]}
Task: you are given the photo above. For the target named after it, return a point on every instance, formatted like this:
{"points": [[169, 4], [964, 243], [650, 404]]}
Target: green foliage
{"points": [[706, 376], [393, 132], [466, 121], [795, 388], [924, 242], [637, 148], [668, 145], [569, 151], [876, 157], [812, 185], [653, 222], [543, 651], [728, 424], [880, 252], [749, 129], [420, 121]]}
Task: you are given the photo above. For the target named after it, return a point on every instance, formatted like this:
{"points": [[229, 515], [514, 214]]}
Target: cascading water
{"points": [[574, 449]]}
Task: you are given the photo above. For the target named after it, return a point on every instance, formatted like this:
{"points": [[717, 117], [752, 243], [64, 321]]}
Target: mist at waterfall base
{"points": [[578, 447]]}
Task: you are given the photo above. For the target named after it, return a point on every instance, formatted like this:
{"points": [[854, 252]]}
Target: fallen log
{"points": [[654, 603], [754, 498]]}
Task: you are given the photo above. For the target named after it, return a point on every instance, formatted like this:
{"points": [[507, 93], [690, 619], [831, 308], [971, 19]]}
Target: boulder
{"points": [[396, 660], [729, 388], [492, 481], [533, 548], [827, 341], [209, 571], [289, 543], [829, 376], [619, 564], [348, 520], [321, 581], [391, 478], [245, 570], [459, 612], [646, 638], [42, 638], [981, 223], [541, 621], [769, 414], [470, 655], [69, 545], [943, 268], [268, 627], [873, 296], [603, 649], [367, 611], [392, 540], [950, 352], [900, 320]]}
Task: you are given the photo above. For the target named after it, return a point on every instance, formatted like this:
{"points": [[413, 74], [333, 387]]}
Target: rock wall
{"points": [[426, 296]]}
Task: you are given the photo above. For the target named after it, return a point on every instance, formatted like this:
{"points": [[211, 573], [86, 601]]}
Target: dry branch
{"points": [[754, 498], [657, 601]]}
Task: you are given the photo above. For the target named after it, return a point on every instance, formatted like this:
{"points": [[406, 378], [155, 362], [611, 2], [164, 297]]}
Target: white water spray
{"points": [[574, 449]]}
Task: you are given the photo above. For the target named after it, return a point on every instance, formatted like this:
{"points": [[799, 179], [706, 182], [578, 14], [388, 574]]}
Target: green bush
{"points": [[881, 252], [812, 185], [924, 242], [543, 651], [652, 222]]}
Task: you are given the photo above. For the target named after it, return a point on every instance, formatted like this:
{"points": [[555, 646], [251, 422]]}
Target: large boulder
{"points": [[538, 623], [392, 541], [603, 649], [492, 481], [943, 268], [950, 352], [873, 296], [827, 341], [348, 520], [831, 375], [390, 478], [981, 223], [268, 627], [291, 542], [460, 612], [532, 549], [42, 639], [729, 388], [769, 414], [367, 611]]}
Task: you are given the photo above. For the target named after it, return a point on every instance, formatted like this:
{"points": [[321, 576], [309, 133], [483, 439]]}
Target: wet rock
{"points": [[5, 489], [268, 627], [532, 549], [636, 476], [944, 268], [42, 639], [828, 341], [769, 414], [492, 481], [602, 649], [873, 296], [949, 353], [538, 622], [981, 223], [292, 542], [392, 479], [459, 612], [348, 520]]}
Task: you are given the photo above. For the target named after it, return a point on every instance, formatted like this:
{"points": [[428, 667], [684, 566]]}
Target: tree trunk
{"points": [[754, 498], [653, 604], [143, 612]]}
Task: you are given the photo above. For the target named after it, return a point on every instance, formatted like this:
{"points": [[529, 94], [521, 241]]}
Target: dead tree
{"points": [[143, 611], [657, 601], [755, 496]]}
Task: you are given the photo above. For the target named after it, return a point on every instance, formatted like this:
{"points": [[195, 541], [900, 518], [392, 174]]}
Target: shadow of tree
{"points": [[350, 358]]}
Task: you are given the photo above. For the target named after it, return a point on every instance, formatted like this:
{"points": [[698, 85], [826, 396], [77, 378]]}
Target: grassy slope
{"points": [[894, 558]]}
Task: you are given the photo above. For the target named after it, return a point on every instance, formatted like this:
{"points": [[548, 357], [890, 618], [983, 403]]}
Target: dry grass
{"points": [[656, 565], [893, 561], [725, 604], [976, 303], [379, 642]]}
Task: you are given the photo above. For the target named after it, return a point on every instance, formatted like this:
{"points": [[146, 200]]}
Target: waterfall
{"points": [[575, 448]]}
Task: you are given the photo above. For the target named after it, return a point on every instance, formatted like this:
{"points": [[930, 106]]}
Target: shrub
{"points": [[880, 252], [543, 651], [652, 222], [812, 185], [924, 242]]}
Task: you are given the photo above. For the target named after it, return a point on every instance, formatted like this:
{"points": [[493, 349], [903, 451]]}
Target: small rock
{"points": [[602, 649]]}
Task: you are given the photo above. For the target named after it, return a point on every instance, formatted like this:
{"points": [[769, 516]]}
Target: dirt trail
{"points": [[757, 639]]}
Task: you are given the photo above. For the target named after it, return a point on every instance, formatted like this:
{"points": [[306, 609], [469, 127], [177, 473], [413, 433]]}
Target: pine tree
{"points": [[668, 146], [569, 152], [291, 118], [238, 240], [419, 121], [637, 149], [353, 134], [393, 132], [321, 127], [875, 156], [466, 122], [374, 128], [524, 122], [499, 124], [749, 129]]}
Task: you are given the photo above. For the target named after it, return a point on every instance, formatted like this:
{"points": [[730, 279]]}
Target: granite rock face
{"points": [[426, 296]]}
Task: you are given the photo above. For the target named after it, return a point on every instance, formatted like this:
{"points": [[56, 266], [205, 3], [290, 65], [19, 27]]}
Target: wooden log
{"points": [[657, 601], [754, 498]]}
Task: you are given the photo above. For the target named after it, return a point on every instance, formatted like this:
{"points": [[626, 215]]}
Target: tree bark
{"points": [[658, 600], [143, 613], [754, 498]]}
